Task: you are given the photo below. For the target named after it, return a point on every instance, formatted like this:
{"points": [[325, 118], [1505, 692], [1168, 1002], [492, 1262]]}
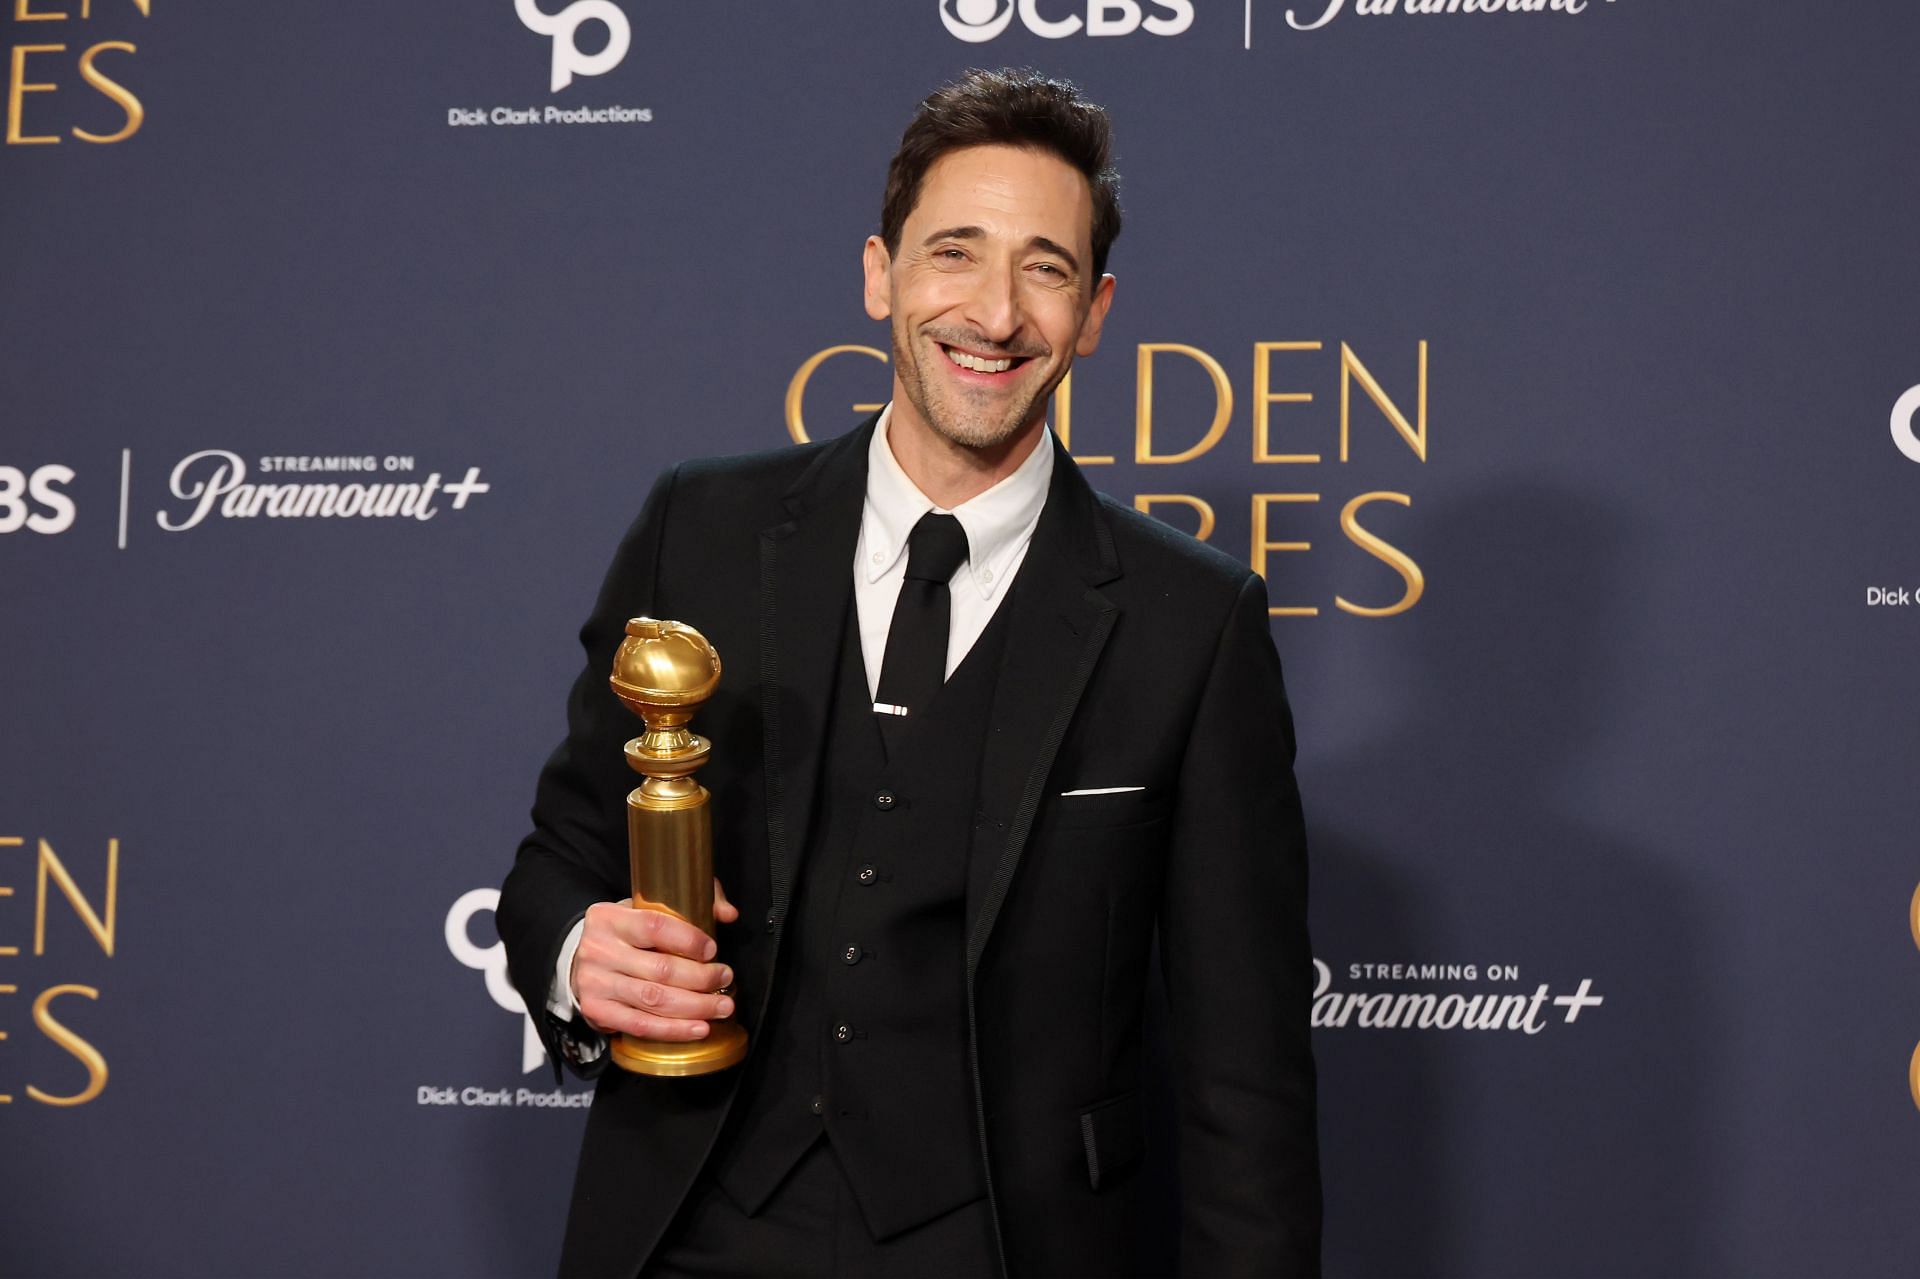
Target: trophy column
{"points": [[662, 673]]}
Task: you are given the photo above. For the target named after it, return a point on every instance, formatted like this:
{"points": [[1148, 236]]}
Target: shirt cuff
{"points": [[560, 994]]}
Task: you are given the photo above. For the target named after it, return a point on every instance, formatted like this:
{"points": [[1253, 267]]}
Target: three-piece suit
{"points": [[942, 952]]}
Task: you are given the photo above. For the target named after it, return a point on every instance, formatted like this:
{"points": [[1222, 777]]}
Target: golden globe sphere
{"points": [[664, 665]]}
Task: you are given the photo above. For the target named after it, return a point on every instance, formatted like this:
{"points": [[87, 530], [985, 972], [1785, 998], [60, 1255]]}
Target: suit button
{"points": [[773, 920], [867, 875], [851, 955], [883, 800], [843, 1032], [818, 1105]]}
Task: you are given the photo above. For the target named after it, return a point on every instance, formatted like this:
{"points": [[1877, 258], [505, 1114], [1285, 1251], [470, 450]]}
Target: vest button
{"points": [[867, 875], [851, 955], [843, 1032], [818, 1105], [883, 800]]}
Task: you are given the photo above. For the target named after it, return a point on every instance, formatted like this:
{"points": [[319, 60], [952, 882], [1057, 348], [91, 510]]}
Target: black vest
{"points": [[865, 1038]]}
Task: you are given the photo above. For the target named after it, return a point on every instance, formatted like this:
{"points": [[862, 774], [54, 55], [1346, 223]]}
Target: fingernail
{"points": [[726, 1008], [711, 950], [700, 1030], [726, 976]]}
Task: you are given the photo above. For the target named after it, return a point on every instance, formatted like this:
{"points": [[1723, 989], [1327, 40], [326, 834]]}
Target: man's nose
{"points": [[994, 307]]}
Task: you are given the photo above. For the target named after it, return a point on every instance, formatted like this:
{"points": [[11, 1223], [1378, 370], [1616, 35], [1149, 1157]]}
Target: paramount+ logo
{"points": [[978, 21]]}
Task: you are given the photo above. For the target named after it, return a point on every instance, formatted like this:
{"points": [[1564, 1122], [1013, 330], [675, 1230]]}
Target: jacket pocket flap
{"points": [[1115, 1138]]}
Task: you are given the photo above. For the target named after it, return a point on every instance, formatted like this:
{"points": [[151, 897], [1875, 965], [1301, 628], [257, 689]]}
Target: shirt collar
{"points": [[998, 522]]}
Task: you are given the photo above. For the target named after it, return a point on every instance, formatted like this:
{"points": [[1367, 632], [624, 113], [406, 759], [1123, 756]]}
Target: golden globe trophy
{"points": [[662, 673]]}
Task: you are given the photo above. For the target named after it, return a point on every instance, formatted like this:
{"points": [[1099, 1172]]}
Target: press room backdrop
{"points": [[1555, 362]]}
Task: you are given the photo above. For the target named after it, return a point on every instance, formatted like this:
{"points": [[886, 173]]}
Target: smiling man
{"points": [[982, 738]]}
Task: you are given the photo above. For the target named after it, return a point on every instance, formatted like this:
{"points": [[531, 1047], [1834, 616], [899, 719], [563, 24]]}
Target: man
{"points": [[981, 735]]}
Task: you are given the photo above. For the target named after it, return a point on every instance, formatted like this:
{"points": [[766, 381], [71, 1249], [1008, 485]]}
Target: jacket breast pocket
{"points": [[1115, 1138], [1113, 808]]}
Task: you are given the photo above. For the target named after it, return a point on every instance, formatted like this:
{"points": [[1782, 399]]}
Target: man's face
{"points": [[990, 295]]}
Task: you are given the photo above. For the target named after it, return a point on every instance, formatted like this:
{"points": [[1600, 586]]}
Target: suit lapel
{"points": [[1057, 625], [806, 583]]}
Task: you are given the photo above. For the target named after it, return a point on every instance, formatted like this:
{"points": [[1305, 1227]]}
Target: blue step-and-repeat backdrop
{"points": [[1555, 360]]}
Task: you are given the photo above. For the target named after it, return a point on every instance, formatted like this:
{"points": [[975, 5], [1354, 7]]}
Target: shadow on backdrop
{"points": [[1485, 823]]}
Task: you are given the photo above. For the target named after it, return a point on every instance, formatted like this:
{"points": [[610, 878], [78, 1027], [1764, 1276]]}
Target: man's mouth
{"points": [[985, 364]]}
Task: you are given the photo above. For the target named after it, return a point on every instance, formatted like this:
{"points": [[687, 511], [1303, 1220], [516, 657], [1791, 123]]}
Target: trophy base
{"points": [[724, 1046]]}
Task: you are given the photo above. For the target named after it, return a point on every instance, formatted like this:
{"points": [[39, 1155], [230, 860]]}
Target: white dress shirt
{"points": [[999, 524]]}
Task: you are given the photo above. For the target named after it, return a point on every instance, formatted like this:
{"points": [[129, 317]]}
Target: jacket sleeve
{"points": [[1238, 970], [576, 854]]}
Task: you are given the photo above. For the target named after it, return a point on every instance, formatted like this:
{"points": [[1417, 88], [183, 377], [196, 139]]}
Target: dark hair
{"points": [[1010, 108]]}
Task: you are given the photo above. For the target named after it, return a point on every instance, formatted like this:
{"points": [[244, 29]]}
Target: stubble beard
{"points": [[944, 409]]}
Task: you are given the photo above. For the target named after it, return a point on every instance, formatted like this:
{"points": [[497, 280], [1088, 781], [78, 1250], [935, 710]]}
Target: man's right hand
{"points": [[646, 973]]}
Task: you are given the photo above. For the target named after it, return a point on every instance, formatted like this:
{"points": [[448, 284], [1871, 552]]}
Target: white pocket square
{"points": [[1100, 790]]}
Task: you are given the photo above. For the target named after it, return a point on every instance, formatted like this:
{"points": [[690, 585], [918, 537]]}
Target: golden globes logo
{"points": [[1913, 1063], [1279, 377], [53, 1001], [47, 59]]}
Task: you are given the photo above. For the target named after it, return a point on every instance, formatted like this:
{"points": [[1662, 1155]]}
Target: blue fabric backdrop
{"points": [[1627, 791]]}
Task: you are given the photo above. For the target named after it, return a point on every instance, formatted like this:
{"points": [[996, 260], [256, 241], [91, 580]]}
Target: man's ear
{"points": [[1089, 341], [878, 266]]}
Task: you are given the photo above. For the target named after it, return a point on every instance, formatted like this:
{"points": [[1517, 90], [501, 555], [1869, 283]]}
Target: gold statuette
{"points": [[662, 673]]}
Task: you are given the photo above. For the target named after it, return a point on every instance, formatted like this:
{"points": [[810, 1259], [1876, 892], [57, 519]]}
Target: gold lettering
{"points": [[85, 1053], [136, 114], [1350, 368], [21, 13], [1063, 421], [797, 388], [14, 841], [1143, 403], [1261, 545], [6, 1099], [1264, 398], [1391, 556], [1145, 502], [19, 88], [51, 865]]}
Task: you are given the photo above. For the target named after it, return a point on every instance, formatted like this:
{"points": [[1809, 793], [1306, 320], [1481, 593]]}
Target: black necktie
{"points": [[916, 662]]}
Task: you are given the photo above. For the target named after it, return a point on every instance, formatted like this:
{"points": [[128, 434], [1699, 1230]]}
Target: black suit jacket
{"points": [[1135, 656]]}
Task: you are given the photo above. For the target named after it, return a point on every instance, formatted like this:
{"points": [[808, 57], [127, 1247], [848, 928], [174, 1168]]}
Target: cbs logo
{"points": [[977, 21], [33, 499]]}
